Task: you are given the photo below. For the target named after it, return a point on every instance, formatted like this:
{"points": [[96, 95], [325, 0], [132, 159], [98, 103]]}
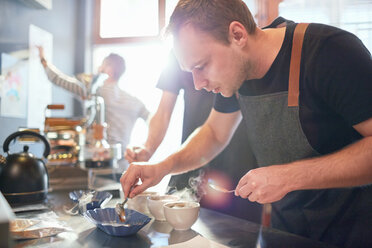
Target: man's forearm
{"points": [[351, 166], [157, 129], [198, 149], [159, 122]]}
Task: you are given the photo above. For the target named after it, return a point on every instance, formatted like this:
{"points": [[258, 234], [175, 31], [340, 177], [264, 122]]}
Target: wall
{"points": [[69, 40]]}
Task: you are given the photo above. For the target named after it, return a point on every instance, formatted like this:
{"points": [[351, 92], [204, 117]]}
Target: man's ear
{"points": [[237, 33]]}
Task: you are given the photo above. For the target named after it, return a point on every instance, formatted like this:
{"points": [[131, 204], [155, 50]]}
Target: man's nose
{"points": [[199, 81]]}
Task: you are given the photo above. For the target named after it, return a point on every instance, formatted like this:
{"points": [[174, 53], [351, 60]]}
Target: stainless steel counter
{"points": [[224, 229]]}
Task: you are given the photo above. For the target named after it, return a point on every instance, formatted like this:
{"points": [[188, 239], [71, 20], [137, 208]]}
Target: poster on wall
{"points": [[40, 89], [14, 82]]}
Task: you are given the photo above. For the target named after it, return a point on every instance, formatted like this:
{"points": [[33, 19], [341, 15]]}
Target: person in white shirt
{"points": [[121, 109]]}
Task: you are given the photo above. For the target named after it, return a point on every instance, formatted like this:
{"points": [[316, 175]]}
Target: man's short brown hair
{"points": [[117, 63], [211, 16]]}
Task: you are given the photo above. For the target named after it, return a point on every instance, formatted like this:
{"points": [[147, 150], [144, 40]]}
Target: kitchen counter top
{"points": [[224, 229]]}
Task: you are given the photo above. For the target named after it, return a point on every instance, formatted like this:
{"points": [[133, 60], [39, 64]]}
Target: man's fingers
{"points": [[128, 158], [41, 51], [124, 184], [242, 182], [253, 197], [245, 191], [128, 180], [138, 189], [131, 156], [245, 179], [130, 152]]}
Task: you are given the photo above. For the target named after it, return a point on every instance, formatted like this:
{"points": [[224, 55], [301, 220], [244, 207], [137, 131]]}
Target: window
{"points": [[121, 18], [128, 20], [354, 16]]}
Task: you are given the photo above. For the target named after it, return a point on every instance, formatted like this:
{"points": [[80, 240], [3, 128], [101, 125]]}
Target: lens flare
{"points": [[213, 198]]}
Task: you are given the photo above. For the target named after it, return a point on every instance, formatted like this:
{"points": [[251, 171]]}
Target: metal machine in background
{"points": [[65, 136], [82, 141]]}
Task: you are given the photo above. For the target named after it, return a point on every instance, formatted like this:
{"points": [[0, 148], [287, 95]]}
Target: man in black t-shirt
{"points": [[305, 93]]}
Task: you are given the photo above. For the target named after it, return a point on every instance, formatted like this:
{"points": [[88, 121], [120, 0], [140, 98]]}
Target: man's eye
{"points": [[199, 68]]}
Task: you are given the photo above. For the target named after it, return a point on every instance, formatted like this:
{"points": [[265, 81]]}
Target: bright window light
{"points": [[129, 18], [354, 16], [144, 63]]}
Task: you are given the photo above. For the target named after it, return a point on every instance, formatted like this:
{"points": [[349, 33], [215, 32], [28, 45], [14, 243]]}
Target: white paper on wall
{"points": [[40, 89], [14, 82]]}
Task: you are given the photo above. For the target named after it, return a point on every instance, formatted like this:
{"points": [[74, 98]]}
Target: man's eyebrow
{"points": [[192, 65], [183, 68]]}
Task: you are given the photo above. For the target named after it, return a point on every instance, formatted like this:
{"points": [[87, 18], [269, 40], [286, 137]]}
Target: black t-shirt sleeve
{"points": [[171, 77], [343, 76], [226, 104]]}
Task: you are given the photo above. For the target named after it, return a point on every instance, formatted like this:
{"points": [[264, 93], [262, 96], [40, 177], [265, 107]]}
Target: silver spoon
{"points": [[119, 209], [219, 188]]}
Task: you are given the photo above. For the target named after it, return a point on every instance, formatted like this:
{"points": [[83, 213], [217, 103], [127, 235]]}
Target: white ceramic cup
{"points": [[155, 204], [139, 202], [181, 214]]}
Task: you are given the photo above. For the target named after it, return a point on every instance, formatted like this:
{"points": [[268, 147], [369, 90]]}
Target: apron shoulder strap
{"points": [[294, 68]]}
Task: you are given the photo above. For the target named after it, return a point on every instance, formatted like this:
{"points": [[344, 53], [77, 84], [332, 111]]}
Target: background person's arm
{"points": [[158, 126], [60, 79], [202, 146], [206, 142]]}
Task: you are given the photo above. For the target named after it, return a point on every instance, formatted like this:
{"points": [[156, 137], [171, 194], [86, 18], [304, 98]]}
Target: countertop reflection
{"points": [[221, 228]]}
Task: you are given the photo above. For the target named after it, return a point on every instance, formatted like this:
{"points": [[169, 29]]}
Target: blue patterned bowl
{"points": [[100, 198], [108, 221]]}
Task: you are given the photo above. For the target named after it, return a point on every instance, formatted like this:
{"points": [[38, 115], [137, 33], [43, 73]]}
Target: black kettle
{"points": [[23, 177]]}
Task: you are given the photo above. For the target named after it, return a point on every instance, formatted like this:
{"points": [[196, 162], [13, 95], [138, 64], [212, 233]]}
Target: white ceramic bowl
{"points": [[181, 214], [139, 202], [155, 204]]}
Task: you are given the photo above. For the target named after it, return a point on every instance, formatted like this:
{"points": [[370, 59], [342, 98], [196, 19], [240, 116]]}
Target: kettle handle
{"points": [[21, 133]]}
